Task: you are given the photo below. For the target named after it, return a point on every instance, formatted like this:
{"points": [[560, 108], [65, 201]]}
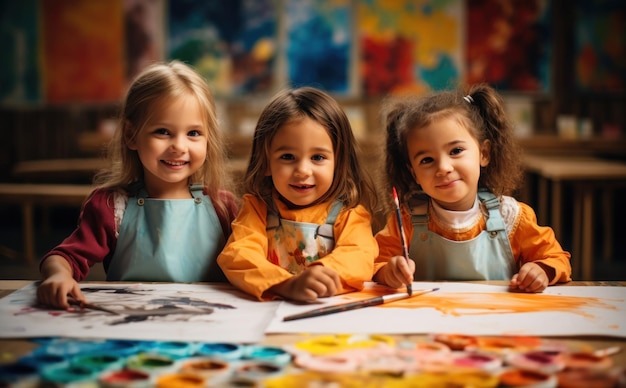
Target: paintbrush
{"points": [[90, 306], [355, 305], [405, 248]]}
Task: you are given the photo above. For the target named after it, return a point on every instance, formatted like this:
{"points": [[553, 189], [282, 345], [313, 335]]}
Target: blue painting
{"points": [[319, 40], [19, 72], [231, 43]]}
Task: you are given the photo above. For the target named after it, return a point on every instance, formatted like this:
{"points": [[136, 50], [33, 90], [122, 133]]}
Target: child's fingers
{"points": [[328, 280], [531, 278], [407, 268], [77, 294]]}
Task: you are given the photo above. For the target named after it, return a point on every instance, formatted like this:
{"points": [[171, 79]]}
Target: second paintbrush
{"points": [[355, 305], [405, 248]]}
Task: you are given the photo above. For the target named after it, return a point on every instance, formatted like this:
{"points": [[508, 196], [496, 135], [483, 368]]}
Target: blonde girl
{"points": [[159, 212]]}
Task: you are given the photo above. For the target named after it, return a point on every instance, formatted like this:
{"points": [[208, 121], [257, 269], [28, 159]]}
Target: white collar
{"points": [[457, 219]]}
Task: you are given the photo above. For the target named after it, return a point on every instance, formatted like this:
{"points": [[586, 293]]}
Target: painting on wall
{"points": [[82, 54], [509, 44], [409, 46], [231, 43], [144, 34], [318, 44], [600, 46], [19, 71]]}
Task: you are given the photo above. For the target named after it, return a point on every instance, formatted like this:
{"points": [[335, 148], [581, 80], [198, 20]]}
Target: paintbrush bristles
{"points": [[395, 197]]}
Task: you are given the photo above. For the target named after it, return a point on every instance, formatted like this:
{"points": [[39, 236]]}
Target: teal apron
{"points": [[294, 245], [168, 240], [488, 256]]}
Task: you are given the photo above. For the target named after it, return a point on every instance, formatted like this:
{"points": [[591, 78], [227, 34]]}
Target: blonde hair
{"points": [[152, 89], [350, 183]]}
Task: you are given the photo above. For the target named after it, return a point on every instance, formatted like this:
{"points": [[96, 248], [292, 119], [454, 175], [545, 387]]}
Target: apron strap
{"points": [[495, 222], [418, 206], [272, 219], [326, 230], [197, 190]]}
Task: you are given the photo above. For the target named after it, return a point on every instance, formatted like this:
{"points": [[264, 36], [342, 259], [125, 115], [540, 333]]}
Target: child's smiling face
{"points": [[172, 147], [302, 161], [446, 160]]}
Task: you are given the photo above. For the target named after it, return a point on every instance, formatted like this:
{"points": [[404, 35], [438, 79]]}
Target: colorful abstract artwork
{"points": [[509, 44], [19, 71], [319, 42], [178, 312], [470, 309], [144, 34], [600, 42], [409, 46], [82, 50], [231, 43]]}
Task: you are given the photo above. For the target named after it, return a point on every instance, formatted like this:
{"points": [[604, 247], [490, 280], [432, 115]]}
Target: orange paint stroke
{"points": [[485, 303]]}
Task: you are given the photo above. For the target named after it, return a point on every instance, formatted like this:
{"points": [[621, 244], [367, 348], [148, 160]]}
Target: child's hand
{"points": [[316, 281], [54, 291], [530, 278], [397, 273]]}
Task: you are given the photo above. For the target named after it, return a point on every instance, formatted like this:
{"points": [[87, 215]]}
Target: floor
{"points": [[62, 221]]}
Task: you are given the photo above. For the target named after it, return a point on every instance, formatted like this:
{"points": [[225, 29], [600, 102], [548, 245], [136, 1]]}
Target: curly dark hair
{"points": [[480, 109]]}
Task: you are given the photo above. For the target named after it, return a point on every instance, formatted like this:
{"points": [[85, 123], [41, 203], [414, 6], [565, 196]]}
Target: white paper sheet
{"points": [[177, 312], [471, 309]]}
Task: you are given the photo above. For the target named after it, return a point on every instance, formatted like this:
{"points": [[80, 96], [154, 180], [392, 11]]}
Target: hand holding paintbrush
{"points": [[405, 249], [82, 306]]}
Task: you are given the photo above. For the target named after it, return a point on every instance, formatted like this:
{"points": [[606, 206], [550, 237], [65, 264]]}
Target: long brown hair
{"points": [[350, 183]]}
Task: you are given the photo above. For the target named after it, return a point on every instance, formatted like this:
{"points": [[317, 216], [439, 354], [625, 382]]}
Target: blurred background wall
{"points": [[65, 65]]}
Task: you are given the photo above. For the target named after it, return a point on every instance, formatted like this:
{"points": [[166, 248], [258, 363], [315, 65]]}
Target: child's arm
{"points": [[397, 273], [244, 258], [540, 258], [355, 249], [91, 242], [58, 282], [316, 281], [390, 267]]}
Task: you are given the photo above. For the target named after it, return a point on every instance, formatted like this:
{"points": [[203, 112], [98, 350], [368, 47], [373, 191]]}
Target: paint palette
{"points": [[121, 363], [343, 360]]}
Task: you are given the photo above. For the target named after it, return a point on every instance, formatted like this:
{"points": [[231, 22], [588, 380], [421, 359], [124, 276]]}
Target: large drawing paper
{"points": [[177, 312], [472, 309]]}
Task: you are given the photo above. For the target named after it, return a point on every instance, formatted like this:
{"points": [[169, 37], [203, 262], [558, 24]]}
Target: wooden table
{"points": [[58, 170], [20, 347], [585, 175]]}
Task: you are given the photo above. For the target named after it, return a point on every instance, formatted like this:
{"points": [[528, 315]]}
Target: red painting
{"points": [[508, 44], [82, 50]]}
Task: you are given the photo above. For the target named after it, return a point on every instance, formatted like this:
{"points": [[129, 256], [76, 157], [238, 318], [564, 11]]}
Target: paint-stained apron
{"points": [[294, 245], [168, 240], [488, 256]]}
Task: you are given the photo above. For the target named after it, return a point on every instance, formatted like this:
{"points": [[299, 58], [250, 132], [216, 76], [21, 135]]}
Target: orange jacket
{"points": [[529, 241], [244, 259]]}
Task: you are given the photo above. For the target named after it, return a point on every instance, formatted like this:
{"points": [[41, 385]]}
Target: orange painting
{"points": [[82, 50], [467, 308], [481, 303]]}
